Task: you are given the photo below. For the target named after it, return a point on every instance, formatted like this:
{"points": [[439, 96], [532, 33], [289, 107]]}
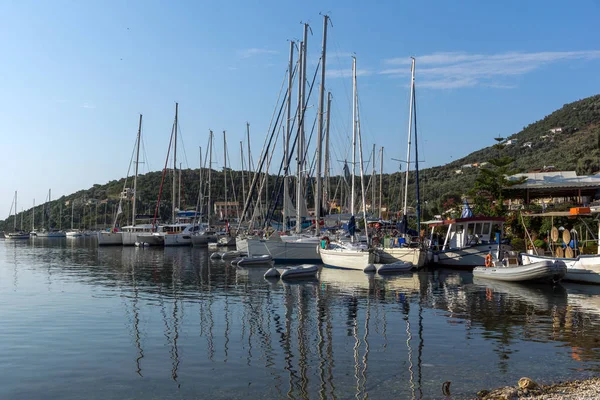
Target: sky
{"points": [[75, 75]]}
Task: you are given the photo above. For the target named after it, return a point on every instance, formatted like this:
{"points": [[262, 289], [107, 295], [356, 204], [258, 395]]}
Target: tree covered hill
{"points": [[575, 146]]}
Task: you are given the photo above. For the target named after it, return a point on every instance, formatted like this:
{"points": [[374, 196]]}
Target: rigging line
{"points": [[283, 82], [183, 145], [291, 150]]}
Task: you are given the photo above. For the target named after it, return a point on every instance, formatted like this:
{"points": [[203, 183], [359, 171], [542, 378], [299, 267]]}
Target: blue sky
{"points": [[75, 75]]}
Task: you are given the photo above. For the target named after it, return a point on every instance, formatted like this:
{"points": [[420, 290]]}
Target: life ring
{"points": [[488, 260]]}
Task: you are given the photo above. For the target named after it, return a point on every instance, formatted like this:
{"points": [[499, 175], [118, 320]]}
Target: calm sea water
{"points": [[81, 322]]}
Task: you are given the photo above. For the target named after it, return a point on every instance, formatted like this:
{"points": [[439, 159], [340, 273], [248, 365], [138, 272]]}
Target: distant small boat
{"points": [[257, 260], [296, 272], [542, 271], [16, 235]]}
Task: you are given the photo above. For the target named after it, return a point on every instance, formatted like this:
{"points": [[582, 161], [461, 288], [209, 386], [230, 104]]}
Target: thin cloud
{"points": [[247, 53], [455, 70], [88, 106], [345, 73]]}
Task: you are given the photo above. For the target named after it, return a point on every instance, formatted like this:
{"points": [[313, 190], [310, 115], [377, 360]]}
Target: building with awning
{"points": [[555, 187]]}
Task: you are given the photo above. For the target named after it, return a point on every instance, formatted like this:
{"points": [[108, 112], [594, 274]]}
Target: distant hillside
{"points": [[574, 146]]}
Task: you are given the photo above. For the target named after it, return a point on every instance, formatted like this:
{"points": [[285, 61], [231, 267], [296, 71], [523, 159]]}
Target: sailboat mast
{"points": [[373, 179], [353, 193], [410, 115], [418, 195], [225, 169], [243, 172], [49, 209], [300, 141], [380, 179], [15, 218], [33, 216], [137, 159], [326, 166], [179, 189], [288, 132], [174, 194], [210, 148], [72, 209], [320, 129], [362, 177]]}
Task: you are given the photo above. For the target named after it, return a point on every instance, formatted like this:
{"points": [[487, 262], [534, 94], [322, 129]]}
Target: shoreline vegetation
{"points": [[526, 388]]}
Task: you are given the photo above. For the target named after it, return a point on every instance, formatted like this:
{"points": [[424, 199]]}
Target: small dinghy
{"points": [[296, 272], [228, 255], [256, 260], [398, 266], [548, 271]]}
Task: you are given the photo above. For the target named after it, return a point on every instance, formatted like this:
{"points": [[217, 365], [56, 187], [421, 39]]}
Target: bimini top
{"points": [[462, 220]]}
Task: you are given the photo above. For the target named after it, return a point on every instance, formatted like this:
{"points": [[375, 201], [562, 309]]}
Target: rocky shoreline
{"points": [[528, 389]]}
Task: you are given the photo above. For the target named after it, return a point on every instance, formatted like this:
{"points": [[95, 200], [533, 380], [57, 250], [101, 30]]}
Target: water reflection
{"points": [[197, 326]]}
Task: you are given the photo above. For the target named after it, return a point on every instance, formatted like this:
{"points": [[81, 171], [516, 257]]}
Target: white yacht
{"points": [[347, 255]]}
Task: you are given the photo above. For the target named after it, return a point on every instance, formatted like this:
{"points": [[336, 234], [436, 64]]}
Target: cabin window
{"points": [[486, 228], [459, 228], [470, 229], [478, 227]]}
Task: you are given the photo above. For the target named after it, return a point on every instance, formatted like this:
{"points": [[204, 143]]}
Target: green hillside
{"points": [[575, 148]]}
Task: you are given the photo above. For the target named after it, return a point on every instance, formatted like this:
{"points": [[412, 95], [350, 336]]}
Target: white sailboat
{"points": [[130, 232], [73, 233], [350, 255], [202, 233], [302, 249], [49, 232], [15, 234], [405, 251]]}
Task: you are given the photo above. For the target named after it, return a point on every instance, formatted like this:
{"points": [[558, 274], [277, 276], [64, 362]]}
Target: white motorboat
{"points": [[550, 271], [583, 268], [130, 233], [468, 240], [257, 260]]}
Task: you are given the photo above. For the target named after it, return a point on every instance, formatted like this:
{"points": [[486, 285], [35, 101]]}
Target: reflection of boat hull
{"points": [[541, 296], [542, 271], [413, 255], [282, 252], [346, 258], [585, 268], [468, 257], [110, 239]]}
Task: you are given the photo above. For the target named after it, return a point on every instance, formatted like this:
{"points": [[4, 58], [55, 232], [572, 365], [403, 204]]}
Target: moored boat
{"points": [[257, 260], [293, 272], [550, 271]]}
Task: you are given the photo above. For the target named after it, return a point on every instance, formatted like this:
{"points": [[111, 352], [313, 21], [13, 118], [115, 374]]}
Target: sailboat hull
{"points": [[282, 252], [415, 255], [109, 239], [346, 258]]}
